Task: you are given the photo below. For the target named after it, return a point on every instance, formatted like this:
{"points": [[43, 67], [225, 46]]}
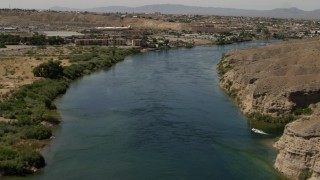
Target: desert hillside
{"points": [[75, 21], [276, 78], [276, 81]]}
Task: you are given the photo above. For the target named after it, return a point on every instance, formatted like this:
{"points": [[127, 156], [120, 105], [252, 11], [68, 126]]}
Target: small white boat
{"points": [[259, 131]]}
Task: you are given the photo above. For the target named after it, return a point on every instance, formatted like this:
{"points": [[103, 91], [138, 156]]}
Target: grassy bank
{"points": [[30, 111]]}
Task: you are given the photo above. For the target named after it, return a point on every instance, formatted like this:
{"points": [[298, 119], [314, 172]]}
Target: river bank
{"points": [[86, 64], [277, 84], [29, 113], [156, 115]]}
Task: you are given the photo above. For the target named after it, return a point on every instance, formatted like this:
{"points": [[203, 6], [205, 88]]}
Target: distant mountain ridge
{"points": [[182, 9]]}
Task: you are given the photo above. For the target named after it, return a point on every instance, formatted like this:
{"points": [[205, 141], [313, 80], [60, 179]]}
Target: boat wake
{"points": [[259, 131]]}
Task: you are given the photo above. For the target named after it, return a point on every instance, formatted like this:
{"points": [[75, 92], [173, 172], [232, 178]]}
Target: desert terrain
{"points": [[17, 62], [281, 79], [269, 79], [78, 21]]}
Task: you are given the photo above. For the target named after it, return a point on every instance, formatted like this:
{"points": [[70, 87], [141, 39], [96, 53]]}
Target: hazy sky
{"points": [[242, 4]]}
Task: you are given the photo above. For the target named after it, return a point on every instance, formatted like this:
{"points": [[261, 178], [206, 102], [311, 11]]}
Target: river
{"points": [[156, 115]]}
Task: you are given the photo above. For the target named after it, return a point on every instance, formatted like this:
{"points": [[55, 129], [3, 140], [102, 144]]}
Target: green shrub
{"points": [[49, 105], [5, 106], [30, 53], [51, 117], [6, 128], [11, 139], [83, 57], [24, 119], [38, 132], [304, 175], [18, 163], [228, 84], [261, 117], [234, 92], [284, 119], [7, 153], [73, 72], [50, 69], [32, 95], [32, 158], [29, 103], [222, 69], [13, 167], [300, 111], [9, 162]]}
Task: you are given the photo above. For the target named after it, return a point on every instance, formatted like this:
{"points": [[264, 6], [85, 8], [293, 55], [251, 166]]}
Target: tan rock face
{"points": [[299, 148], [275, 79], [316, 171]]}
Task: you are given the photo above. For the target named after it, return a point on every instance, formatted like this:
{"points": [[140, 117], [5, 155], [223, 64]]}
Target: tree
{"points": [[51, 69], [36, 39], [55, 40]]}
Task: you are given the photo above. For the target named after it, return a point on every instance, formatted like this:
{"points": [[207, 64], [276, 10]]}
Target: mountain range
{"points": [[182, 9]]}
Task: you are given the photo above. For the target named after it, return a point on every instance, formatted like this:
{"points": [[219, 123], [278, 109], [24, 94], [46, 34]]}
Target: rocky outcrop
{"points": [[299, 148], [273, 79], [277, 79]]}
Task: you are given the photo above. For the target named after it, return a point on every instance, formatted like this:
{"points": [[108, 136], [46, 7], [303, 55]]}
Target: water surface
{"points": [[157, 115]]}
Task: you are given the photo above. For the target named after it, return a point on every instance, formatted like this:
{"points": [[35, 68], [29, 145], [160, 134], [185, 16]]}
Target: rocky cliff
{"points": [[299, 148], [275, 80]]}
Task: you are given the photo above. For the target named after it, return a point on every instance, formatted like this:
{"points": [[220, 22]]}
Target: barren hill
{"points": [[73, 20], [276, 78], [183, 9]]}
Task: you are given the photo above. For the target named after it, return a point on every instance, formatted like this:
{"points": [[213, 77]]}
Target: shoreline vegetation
{"points": [[29, 113]]}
